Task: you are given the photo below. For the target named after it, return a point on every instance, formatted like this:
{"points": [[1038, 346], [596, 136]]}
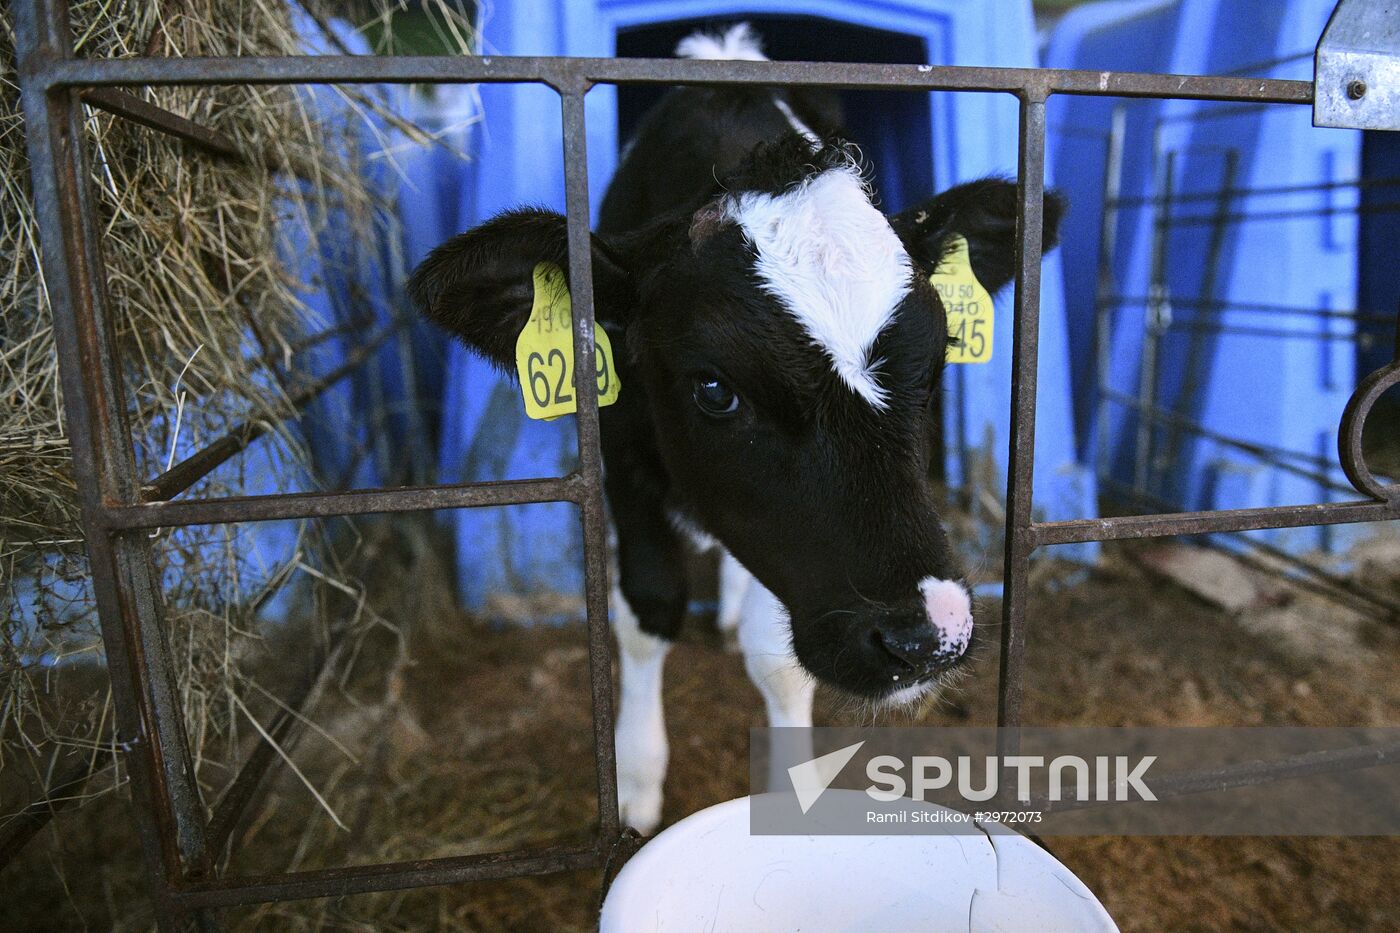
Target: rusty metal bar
{"points": [[1196, 352], [1020, 469], [1105, 284], [150, 726], [595, 532], [389, 876], [1369, 317], [200, 464], [130, 107], [1196, 220], [351, 502], [1245, 330], [1260, 191], [1080, 530], [563, 73], [1274, 456], [1157, 317]]}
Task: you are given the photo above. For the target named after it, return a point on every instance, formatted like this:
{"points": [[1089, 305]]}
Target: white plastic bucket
{"points": [[707, 873]]}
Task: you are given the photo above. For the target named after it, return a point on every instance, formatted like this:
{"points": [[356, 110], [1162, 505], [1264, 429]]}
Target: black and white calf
{"points": [[780, 347]]}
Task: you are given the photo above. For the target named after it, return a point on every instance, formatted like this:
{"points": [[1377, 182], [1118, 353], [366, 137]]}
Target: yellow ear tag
{"points": [[969, 307], [544, 352]]}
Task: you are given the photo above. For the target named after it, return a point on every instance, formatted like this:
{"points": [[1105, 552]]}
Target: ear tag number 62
{"points": [[544, 352]]}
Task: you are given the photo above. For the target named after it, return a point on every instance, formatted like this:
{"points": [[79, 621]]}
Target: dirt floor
{"points": [[484, 745]]}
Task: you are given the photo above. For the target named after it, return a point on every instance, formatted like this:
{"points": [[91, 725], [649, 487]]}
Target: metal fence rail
{"points": [[181, 849]]}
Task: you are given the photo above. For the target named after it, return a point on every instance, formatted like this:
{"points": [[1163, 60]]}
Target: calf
{"points": [[780, 348]]}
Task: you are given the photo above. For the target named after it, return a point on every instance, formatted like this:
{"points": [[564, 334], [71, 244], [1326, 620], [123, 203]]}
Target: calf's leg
{"points": [[787, 688], [642, 750]]}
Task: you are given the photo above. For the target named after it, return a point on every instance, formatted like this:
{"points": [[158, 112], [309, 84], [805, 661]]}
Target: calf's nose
{"points": [[921, 642], [949, 608]]}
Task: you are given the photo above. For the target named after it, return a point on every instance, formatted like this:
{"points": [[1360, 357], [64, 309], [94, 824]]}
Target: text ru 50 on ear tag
{"points": [[544, 352], [969, 307]]}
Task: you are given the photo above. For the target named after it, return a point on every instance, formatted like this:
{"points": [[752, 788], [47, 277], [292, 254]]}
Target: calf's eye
{"points": [[714, 398]]}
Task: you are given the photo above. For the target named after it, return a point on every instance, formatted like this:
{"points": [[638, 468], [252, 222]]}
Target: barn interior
{"points": [[389, 687]]}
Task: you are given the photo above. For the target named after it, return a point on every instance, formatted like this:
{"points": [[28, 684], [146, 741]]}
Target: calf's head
{"points": [[789, 347]]}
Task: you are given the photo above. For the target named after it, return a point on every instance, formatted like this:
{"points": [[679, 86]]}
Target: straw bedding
{"points": [[202, 308]]}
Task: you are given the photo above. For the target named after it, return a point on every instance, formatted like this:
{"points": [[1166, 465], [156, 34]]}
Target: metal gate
{"points": [[119, 507]]}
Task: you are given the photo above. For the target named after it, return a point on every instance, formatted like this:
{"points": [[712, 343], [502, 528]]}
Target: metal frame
{"points": [[1152, 453], [180, 844]]}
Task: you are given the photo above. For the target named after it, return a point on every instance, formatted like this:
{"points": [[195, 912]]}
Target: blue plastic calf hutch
{"points": [[1233, 269], [916, 142]]}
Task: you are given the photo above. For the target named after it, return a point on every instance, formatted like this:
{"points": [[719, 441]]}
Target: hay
{"points": [[201, 305]]}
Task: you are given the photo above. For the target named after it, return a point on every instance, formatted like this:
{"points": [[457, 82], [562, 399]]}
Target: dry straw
{"points": [[200, 305]]}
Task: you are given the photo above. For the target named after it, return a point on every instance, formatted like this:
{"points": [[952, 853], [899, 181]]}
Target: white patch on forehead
{"points": [[834, 263], [737, 43]]}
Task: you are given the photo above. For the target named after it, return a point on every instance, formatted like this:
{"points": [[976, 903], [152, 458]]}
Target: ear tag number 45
{"points": [[544, 352], [969, 307]]}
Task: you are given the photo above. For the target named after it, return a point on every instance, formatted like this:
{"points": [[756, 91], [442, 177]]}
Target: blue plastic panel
{"points": [[913, 141], [1241, 370]]}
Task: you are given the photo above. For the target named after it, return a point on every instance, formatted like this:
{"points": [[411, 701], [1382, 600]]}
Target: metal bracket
{"points": [[1357, 67]]}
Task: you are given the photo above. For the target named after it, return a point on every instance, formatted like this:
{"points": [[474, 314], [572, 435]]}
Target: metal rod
{"points": [[350, 502], [579, 72], [1369, 317], [1191, 220], [1272, 333], [1196, 353], [130, 107], [1261, 190], [1105, 285], [201, 463], [1158, 318], [1080, 530], [1261, 452], [595, 532], [1030, 219], [126, 590]]}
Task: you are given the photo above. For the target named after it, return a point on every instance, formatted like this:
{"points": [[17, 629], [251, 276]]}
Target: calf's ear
{"points": [[480, 285], [984, 213]]}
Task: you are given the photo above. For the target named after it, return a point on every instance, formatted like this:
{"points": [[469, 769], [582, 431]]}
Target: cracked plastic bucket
{"points": [[708, 873]]}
